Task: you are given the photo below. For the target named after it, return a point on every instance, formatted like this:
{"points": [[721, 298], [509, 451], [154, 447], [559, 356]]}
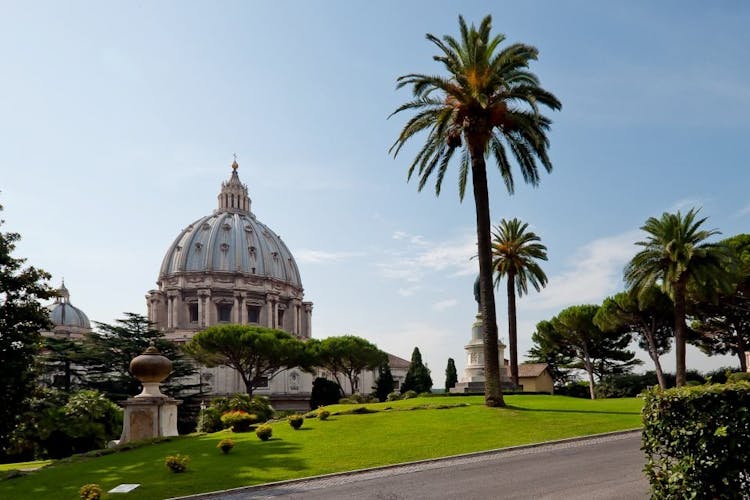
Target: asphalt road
{"points": [[599, 468]]}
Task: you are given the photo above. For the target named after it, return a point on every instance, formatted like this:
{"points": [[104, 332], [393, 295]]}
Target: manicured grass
{"points": [[399, 431]]}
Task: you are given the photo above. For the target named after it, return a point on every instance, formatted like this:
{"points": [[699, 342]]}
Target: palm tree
{"points": [[516, 252], [487, 104], [676, 256]]}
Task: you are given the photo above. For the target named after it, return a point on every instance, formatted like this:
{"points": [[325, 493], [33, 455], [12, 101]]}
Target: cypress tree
{"points": [[451, 376], [418, 377], [384, 383]]}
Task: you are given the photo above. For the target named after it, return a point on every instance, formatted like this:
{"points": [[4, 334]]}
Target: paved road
{"points": [[600, 468]]}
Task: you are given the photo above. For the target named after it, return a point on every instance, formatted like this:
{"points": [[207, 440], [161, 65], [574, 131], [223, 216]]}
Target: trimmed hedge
{"points": [[697, 441]]}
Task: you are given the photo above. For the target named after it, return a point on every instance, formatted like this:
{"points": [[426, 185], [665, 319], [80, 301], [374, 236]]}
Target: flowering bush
{"points": [[239, 421], [225, 445], [177, 463], [264, 432], [91, 492], [296, 421]]}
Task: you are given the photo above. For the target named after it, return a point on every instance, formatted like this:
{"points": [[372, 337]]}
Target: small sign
{"points": [[123, 488]]}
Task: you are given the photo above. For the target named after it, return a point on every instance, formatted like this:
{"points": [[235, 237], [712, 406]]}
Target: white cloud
{"points": [[422, 257], [444, 304], [321, 256], [594, 272]]}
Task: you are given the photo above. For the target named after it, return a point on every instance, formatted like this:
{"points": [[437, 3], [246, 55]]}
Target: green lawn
{"points": [[398, 432]]}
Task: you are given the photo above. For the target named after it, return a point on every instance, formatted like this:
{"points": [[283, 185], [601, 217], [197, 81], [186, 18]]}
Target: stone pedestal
{"points": [[473, 376], [148, 417]]}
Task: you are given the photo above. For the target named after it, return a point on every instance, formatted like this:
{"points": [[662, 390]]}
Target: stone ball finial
{"points": [[151, 366]]}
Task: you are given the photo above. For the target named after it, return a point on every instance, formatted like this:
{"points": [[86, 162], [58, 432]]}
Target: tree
{"points": [[418, 376], [107, 352], [723, 325], [348, 355], [596, 352], [547, 348], [488, 104], [451, 375], [676, 256], [516, 252], [384, 383], [649, 314], [22, 317], [58, 363], [256, 352]]}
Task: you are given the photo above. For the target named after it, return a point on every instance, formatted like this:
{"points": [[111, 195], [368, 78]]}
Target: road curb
{"points": [[496, 451]]}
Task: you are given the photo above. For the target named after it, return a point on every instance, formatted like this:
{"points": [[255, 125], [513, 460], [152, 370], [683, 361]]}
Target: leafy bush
{"points": [[264, 432], [177, 463], [209, 420], [238, 420], [696, 441], [256, 405], [225, 445], [296, 421], [409, 395], [394, 396], [324, 414], [739, 377], [91, 492], [720, 375], [324, 392], [624, 385]]}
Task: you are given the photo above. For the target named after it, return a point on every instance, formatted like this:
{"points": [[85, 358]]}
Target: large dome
{"points": [[64, 314], [228, 267], [231, 240]]}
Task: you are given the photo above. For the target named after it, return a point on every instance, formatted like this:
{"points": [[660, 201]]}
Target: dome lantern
{"points": [[233, 195]]}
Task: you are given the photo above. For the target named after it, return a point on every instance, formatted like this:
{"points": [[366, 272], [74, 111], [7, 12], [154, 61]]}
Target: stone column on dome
{"points": [[149, 313], [308, 319], [269, 311], [236, 311], [243, 308], [203, 304], [178, 312], [172, 320], [169, 312]]}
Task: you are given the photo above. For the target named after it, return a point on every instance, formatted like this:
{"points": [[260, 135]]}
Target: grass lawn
{"points": [[393, 434]]}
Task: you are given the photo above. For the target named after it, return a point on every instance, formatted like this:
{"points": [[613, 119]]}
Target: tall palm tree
{"points": [[516, 253], [486, 105], [677, 257]]}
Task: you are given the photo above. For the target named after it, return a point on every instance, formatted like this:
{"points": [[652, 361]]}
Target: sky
{"points": [[119, 121]]}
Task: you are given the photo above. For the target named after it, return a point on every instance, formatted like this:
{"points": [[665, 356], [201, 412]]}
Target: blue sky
{"points": [[119, 121]]}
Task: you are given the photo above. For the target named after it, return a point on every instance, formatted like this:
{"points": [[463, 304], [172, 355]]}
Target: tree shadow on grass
{"points": [[562, 410]]}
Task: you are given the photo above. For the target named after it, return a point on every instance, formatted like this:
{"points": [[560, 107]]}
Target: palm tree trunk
{"points": [[493, 394], [679, 332], [512, 331]]}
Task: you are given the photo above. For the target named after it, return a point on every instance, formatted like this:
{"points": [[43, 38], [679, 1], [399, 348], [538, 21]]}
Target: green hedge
{"points": [[697, 441]]}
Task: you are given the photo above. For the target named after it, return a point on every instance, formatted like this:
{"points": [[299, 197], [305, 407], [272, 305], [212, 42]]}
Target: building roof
{"points": [[531, 369], [231, 240], [396, 362]]}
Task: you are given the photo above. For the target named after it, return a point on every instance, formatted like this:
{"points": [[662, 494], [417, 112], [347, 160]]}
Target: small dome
{"points": [[63, 313], [231, 240]]}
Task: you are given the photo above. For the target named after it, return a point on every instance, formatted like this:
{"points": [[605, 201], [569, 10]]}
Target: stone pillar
{"points": [[203, 307], [308, 319], [269, 312], [243, 310], [149, 314], [236, 309], [295, 312]]}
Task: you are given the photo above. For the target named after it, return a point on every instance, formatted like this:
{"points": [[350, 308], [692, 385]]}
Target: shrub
{"points": [[324, 392], [696, 441], [225, 445], [409, 395], [209, 420], [394, 396], [426, 395], [738, 377], [264, 432], [91, 492], [346, 401], [238, 420], [177, 463], [257, 405], [296, 421], [324, 414]]}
